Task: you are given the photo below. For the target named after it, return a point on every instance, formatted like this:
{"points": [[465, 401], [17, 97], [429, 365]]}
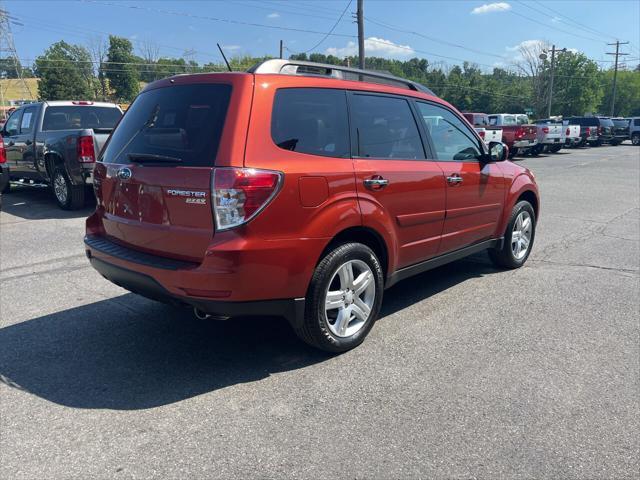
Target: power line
{"points": [[332, 29], [552, 27], [584, 28], [215, 19]]}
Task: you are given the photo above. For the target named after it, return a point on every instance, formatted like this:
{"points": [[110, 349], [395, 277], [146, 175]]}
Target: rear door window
{"points": [[73, 117], [182, 123], [312, 121], [385, 128]]}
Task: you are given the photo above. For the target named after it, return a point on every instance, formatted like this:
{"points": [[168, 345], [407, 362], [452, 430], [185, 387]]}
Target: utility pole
{"points": [[615, 72], [543, 56], [360, 18], [281, 48], [553, 66]]}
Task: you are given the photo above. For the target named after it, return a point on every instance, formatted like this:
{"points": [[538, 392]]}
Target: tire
{"points": [[597, 143], [322, 327], [510, 256], [513, 152], [635, 139], [6, 189], [536, 150], [614, 143], [555, 148], [67, 195]]}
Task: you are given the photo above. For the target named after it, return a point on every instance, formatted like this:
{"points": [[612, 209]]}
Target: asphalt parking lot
{"points": [[471, 372]]}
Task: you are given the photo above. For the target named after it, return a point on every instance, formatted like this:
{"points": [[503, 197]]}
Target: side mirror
{"points": [[498, 151]]}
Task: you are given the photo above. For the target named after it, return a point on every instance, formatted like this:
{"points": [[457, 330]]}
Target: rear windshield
{"points": [[480, 120], [182, 122], [606, 122], [621, 123], [72, 117]]}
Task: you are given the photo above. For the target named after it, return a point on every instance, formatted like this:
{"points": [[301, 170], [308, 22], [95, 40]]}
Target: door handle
{"points": [[376, 183], [454, 179]]}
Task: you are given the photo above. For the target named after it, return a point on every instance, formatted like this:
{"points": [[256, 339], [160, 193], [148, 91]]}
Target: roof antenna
{"points": [[224, 56]]}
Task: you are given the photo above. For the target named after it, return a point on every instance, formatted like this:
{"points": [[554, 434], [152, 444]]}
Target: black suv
{"points": [[595, 130], [620, 130]]}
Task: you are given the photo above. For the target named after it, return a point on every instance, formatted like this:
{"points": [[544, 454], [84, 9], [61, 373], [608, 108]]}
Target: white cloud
{"points": [[273, 15], [556, 20], [373, 46], [231, 48], [491, 7], [526, 44]]}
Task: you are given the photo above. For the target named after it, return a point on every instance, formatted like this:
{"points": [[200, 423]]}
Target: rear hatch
{"points": [[606, 127], [153, 181]]}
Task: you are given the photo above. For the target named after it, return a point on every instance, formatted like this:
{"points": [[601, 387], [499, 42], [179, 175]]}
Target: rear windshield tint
{"points": [[606, 122], [74, 117], [184, 122]]}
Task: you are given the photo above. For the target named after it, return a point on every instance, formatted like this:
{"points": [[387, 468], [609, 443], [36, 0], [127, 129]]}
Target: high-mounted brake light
{"points": [[3, 152], [85, 149], [82, 102], [239, 194]]}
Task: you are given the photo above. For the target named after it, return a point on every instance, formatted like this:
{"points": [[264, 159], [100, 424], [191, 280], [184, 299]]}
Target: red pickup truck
{"points": [[518, 136]]}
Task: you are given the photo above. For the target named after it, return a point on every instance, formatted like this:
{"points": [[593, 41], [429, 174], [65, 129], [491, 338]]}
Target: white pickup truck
{"points": [[571, 133], [480, 122], [551, 136]]}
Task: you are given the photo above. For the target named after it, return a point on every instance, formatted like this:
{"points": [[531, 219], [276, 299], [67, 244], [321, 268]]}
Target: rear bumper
{"points": [[525, 143], [237, 275], [136, 282], [551, 141]]}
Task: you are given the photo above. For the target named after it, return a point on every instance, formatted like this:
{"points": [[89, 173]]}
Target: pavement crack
{"points": [[589, 265]]}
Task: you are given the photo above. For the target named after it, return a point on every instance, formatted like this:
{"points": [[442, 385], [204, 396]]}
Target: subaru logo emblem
{"points": [[124, 173]]}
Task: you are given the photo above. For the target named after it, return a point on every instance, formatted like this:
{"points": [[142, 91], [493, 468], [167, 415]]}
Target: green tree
{"points": [[11, 68], [122, 75], [65, 72], [577, 87], [627, 93]]}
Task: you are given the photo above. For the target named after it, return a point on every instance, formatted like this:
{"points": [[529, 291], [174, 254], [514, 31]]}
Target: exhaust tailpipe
{"points": [[200, 315]]}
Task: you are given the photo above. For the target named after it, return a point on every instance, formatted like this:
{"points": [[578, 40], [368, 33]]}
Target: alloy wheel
{"points": [[521, 235], [350, 297], [60, 188]]}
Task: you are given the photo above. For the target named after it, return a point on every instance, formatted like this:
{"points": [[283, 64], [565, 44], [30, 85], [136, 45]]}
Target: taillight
{"points": [[85, 149], [588, 131], [239, 194], [519, 133], [481, 133], [599, 130], [3, 152], [545, 129], [568, 132]]}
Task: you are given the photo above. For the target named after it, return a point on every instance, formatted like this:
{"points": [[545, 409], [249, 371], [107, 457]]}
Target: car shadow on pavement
{"points": [[38, 203], [129, 353]]}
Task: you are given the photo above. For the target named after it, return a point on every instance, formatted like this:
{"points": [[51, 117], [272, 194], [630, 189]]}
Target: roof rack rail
{"points": [[299, 67]]}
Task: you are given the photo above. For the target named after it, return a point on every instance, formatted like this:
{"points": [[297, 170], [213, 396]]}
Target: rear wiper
{"points": [[151, 158]]}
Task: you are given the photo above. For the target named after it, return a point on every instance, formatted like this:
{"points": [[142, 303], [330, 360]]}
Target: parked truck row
{"points": [[552, 134]]}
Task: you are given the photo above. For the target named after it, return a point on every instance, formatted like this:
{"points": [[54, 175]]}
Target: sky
{"points": [[484, 32]]}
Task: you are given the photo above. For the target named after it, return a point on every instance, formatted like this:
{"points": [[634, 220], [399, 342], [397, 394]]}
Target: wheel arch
{"points": [[532, 198], [51, 161], [365, 235]]}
